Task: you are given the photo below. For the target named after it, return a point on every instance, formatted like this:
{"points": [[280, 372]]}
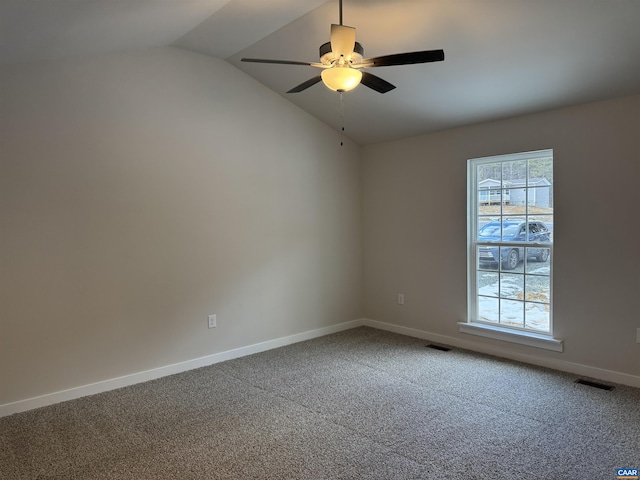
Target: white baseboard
{"points": [[112, 384], [145, 376], [564, 366]]}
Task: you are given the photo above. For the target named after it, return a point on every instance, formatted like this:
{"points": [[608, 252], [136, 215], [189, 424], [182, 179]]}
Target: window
{"points": [[510, 238]]}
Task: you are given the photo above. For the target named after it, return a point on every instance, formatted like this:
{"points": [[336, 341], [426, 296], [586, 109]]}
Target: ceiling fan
{"points": [[341, 61]]}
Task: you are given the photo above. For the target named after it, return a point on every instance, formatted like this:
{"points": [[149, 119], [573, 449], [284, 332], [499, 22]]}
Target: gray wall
{"points": [[140, 192], [415, 216]]}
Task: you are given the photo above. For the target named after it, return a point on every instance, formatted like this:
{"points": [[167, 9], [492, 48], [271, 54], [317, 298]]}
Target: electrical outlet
{"points": [[401, 299], [638, 335], [212, 321]]}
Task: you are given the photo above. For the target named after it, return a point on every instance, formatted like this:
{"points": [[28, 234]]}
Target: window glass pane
{"points": [[489, 171], [488, 309], [540, 200], [490, 192], [510, 229], [517, 198], [546, 229], [538, 289], [514, 174], [487, 208], [538, 261], [488, 284], [537, 317], [512, 313], [512, 286], [488, 258], [541, 168], [512, 259], [484, 219]]}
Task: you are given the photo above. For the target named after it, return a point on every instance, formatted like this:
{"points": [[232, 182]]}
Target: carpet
{"points": [[359, 404]]}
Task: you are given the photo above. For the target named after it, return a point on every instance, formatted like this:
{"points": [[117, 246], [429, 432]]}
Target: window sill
{"points": [[507, 335]]}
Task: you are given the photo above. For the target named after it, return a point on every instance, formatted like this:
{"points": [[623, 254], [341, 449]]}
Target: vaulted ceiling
{"points": [[502, 57]]}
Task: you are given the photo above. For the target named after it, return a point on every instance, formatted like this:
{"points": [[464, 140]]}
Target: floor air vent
{"points": [[589, 383], [439, 347]]}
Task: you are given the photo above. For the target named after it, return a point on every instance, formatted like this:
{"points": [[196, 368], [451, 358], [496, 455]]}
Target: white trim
{"points": [[556, 364], [516, 157], [98, 387], [145, 376], [511, 335]]}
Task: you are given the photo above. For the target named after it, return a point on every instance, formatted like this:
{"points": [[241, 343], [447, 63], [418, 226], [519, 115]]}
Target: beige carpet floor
{"points": [[360, 404]]}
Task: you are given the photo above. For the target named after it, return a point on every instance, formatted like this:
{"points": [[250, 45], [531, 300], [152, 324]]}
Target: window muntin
{"points": [[511, 241]]}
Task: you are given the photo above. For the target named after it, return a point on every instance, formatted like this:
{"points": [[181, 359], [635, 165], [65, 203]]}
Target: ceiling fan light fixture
{"points": [[341, 78]]}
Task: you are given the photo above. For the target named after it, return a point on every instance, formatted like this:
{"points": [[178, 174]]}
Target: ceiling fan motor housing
{"points": [[327, 57]]}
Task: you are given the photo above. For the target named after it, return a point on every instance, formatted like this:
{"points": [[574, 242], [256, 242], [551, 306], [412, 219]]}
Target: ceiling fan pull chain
{"points": [[341, 119]]}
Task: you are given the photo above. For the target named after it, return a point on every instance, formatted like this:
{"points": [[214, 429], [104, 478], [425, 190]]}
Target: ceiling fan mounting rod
{"points": [[340, 6]]}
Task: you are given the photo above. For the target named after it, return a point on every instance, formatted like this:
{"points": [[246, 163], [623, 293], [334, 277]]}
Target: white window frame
{"points": [[473, 325]]}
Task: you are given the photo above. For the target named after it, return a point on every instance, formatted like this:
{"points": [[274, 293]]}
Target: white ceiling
{"points": [[502, 57]]}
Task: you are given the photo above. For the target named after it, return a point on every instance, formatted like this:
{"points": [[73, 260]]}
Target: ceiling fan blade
{"points": [[343, 41], [304, 85], [376, 83], [405, 58], [279, 62]]}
